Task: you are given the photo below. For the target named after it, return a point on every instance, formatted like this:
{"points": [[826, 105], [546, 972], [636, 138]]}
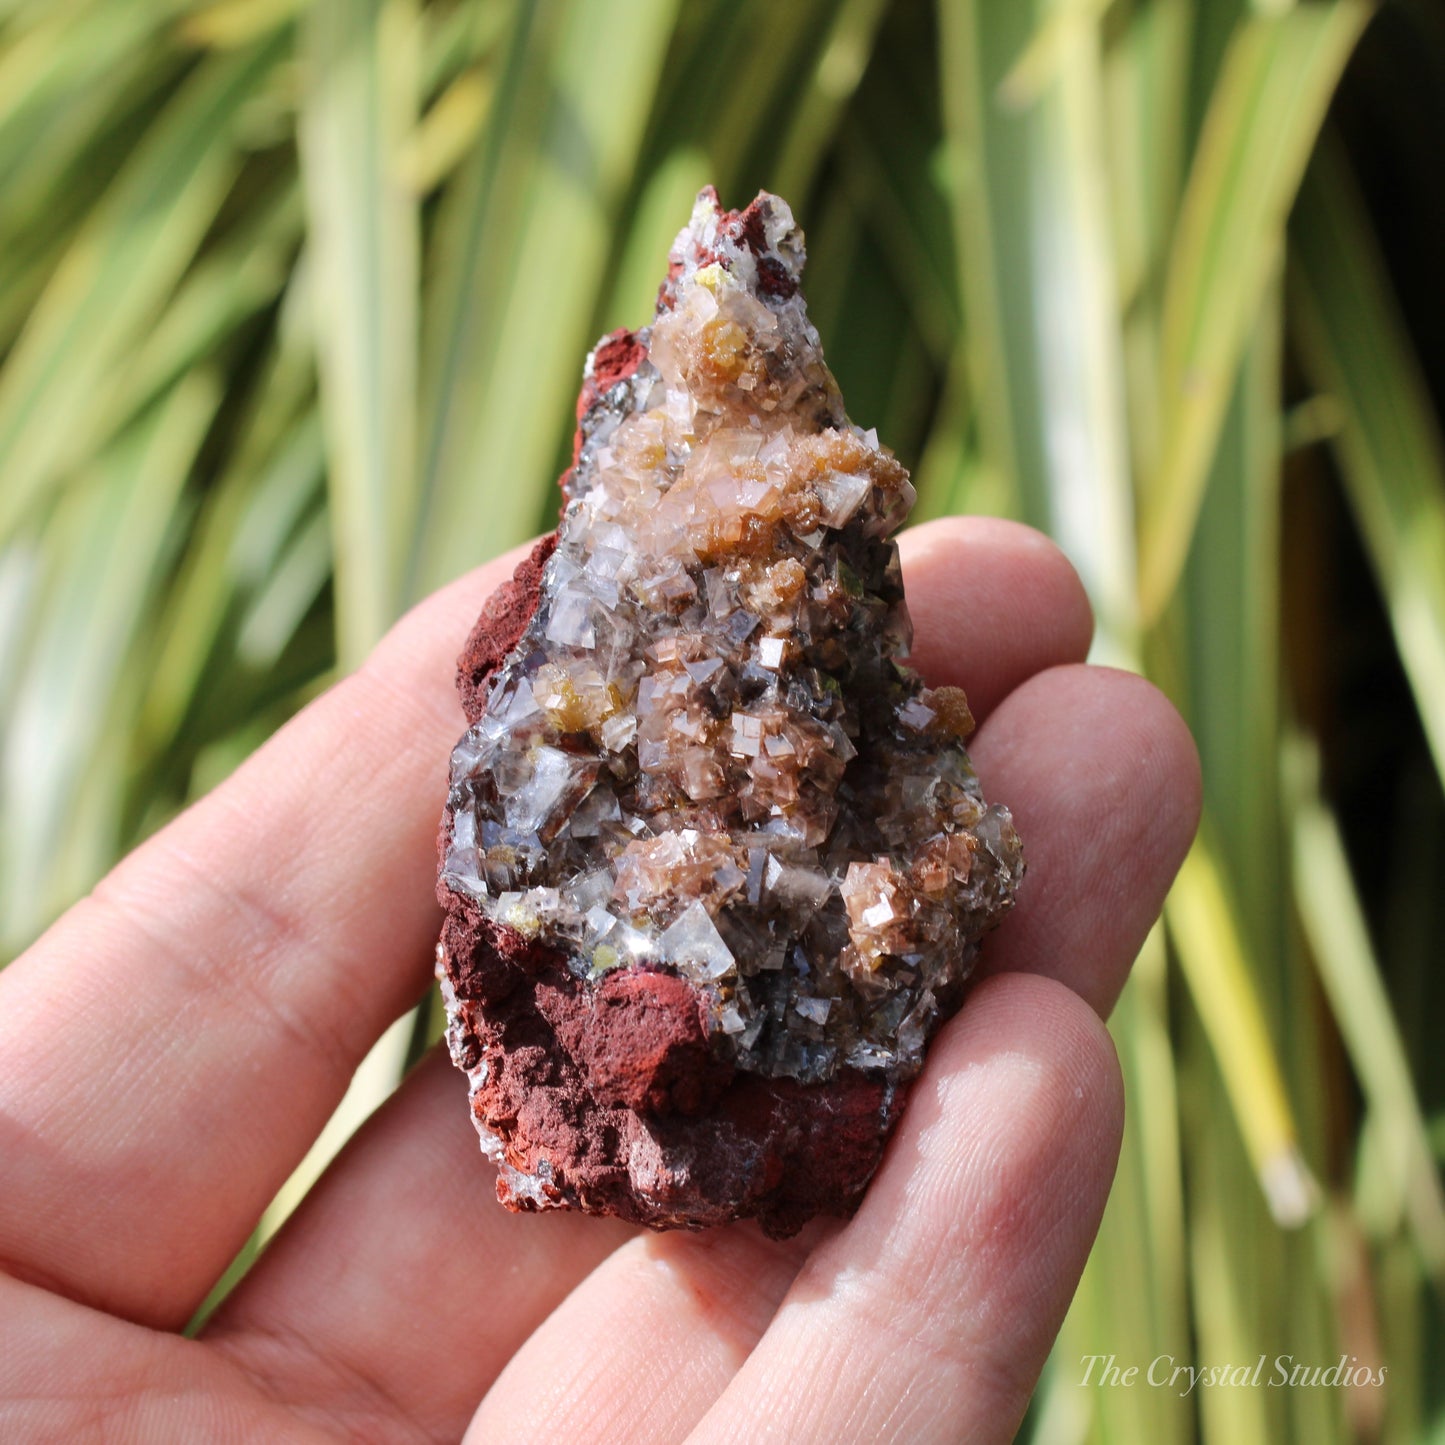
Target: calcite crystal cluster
{"points": [[715, 863]]}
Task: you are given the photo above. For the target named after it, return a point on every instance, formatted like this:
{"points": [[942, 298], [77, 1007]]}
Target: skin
{"points": [[176, 1041]]}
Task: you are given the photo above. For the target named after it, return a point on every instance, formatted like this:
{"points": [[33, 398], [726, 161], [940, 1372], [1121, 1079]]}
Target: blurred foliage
{"points": [[293, 298]]}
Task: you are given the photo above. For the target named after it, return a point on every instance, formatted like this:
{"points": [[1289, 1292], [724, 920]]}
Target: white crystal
{"points": [[841, 495], [618, 731], [599, 922], [592, 890], [747, 735], [770, 652], [816, 1009], [464, 829], [807, 886], [916, 715], [571, 619], [880, 914], [693, 944], [533, 805]]}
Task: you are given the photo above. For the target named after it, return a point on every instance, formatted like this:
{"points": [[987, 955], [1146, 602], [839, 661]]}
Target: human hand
{"points": [[172, 1046]]}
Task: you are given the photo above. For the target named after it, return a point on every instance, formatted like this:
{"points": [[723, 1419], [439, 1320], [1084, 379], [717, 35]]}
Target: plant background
{"points": [[293, 298]]}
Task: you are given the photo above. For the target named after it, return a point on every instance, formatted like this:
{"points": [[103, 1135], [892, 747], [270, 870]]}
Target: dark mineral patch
{"points": [[715, 864]]}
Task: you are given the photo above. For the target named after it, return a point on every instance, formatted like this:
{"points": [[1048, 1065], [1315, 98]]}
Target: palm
{"points": [[172, 1046]]}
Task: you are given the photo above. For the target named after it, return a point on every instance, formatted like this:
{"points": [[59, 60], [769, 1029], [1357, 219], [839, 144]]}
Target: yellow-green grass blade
{"points": [[1052, 397], [236, 1271], [103, 297], [1350, 973], [885, 159], [247, 522], [22, 569], [290, 591], [1409, 1344], [373, 1082], [1353, 344], [836, 70], [249, 510], [361, 96], [445, 135], [1225, 1230], [1031, 192], [948, 476], [1146, 91], [358, 111], [1075, 362], [1263, 118], [230, 24], [1147, 87], [1255, 1290], [221, 757], [462, 40], [104, 551], [1223, 625], [1205, 931], [522, 249], [224, 291], [1225, 631], [1152, 1077], [45, 67], [1132, 1302], [975, 152], [53, 147], [731, 85]]}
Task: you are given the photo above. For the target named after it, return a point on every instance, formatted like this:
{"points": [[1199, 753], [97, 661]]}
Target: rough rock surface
{"points": [[715, 864]]}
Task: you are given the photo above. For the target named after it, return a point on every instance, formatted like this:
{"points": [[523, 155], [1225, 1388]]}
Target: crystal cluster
{"points": [[715, 863]]}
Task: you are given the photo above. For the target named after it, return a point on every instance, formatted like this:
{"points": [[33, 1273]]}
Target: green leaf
{"points": [[218, 297], [300, 574], [249, 518], [249, 511], [358, 111], [1204, 927], [104, 551], [523, 247], [1040, 293], [1226, 630], [836, 71], [886, 166], [1353, 344], [981, 159], [104, 295], [1350, 973], [1263, 117]]}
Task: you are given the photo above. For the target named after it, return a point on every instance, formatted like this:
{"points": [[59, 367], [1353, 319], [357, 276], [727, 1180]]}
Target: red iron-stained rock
{"points": [[715, 864]]}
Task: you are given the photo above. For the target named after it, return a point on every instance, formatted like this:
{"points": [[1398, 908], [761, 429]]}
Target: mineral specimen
{"points": [[715, 864]]}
